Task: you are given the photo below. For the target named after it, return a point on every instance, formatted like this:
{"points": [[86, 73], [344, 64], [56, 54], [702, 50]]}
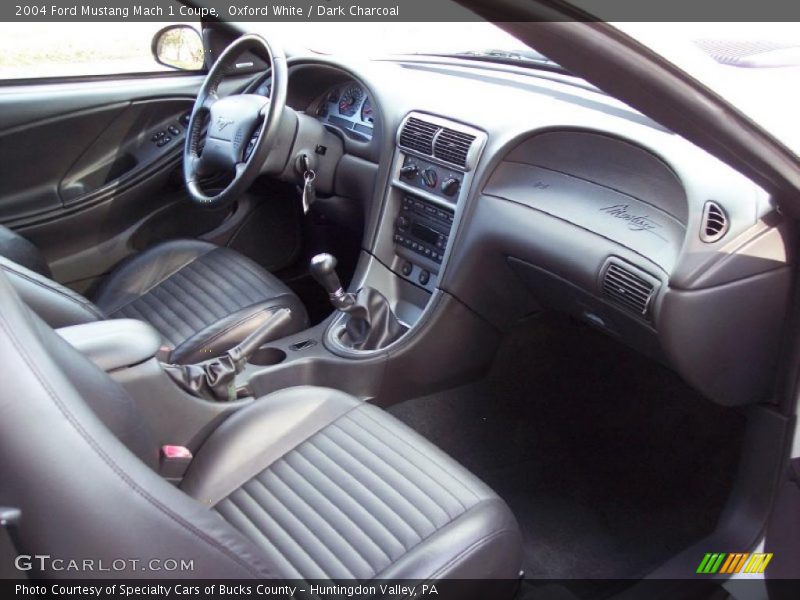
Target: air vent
{"points": [[715, 223], [453, 146], [625, 288], [418, 135]]}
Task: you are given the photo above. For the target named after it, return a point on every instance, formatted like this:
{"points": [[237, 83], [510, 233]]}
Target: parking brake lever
{"points": [[216, 379]]}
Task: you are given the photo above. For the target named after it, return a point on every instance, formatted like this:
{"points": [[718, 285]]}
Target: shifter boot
{"points": [[371, 323]]}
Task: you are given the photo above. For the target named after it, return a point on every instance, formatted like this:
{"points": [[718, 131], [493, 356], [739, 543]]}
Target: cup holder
{"points": [[264, 357]]}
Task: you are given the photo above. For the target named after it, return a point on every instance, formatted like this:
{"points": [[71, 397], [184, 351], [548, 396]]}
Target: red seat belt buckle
{"points": [[174, 461]]}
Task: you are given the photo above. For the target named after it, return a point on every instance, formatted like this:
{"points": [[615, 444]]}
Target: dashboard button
{"points": [[174, 130]]}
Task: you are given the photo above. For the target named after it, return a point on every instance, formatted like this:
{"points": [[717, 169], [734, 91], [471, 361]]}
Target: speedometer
{"points": [[350, 100]]}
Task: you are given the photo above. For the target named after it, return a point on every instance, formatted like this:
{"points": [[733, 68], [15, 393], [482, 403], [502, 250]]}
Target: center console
{"points": [[431, 175]]}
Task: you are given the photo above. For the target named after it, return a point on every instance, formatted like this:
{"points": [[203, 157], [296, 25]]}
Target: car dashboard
{"points": [[514, 191]]}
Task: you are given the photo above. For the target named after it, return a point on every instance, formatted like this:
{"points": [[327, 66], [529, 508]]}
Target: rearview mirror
{"points": [[179, 47]]}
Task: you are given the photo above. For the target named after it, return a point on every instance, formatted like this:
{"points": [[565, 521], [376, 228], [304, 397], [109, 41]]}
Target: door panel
{"points": [[81, 172], [127, 150], [83, 178], [35, 157]]}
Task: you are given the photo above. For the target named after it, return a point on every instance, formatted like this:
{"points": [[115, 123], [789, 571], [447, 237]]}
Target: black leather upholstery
{"points": [[341, 490], [82, 492], [56, 304], [306, 482], [203, 299]]}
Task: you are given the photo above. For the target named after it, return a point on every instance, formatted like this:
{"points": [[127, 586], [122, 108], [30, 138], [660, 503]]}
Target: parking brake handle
{"points": [[215, 379]]}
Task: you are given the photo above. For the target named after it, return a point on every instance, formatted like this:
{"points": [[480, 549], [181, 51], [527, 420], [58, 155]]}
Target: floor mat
{"points": [[609, 461]]}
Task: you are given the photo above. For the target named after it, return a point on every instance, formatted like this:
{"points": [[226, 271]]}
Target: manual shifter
{"points": [[216, 379], [370, 323]]}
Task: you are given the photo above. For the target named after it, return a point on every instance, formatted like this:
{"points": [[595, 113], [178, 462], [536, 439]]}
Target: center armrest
{"points": [[115, 343]]}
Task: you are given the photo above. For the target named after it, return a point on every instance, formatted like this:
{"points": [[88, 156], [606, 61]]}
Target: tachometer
{"points": [[350, 100], [366, 111]]}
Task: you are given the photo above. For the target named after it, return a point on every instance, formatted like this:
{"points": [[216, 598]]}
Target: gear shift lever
{"points": [[323, 270], [370, 323]]}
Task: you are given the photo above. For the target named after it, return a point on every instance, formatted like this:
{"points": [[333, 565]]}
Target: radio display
{"points": [[425, 234]]}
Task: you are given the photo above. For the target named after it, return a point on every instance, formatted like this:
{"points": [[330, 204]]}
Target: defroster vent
{"points": [[627, 289]]}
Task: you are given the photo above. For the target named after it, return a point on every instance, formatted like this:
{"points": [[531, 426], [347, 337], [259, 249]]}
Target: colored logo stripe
{"points": [[758, 563], [711, 563], [728, 564]]}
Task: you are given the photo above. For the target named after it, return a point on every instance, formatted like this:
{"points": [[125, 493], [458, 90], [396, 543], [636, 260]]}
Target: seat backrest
{"points": [[69, 440], [56, 305]]}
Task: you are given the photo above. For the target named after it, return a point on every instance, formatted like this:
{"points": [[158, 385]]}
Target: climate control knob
{"points": [[450, 186], [430, 177], [409, 171]]}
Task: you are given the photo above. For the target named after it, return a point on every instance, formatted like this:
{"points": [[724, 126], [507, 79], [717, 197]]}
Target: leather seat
{"points": [[304, 483], [202, 298]]}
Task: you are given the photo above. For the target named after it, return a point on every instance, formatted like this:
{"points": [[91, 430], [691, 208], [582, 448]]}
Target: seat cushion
{"points": [[328, 486], [202, 298]]}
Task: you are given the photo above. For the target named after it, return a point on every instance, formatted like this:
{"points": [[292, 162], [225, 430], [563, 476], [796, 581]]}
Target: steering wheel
{"points": [[241, 128]]}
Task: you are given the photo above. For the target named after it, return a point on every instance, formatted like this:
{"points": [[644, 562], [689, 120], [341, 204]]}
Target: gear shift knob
{"points": [[323, 270]]}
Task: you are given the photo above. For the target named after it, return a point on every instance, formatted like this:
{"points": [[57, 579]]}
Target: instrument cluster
{"points": [[347, 107]]}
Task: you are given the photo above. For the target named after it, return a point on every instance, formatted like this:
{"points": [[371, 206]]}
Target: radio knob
{"points": [[430, 177], [450, 186], [402, 222]]}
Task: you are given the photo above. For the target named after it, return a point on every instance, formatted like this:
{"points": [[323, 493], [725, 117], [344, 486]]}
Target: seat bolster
{"points": [[220, 336], [138, 274], [253, 438], [483, 543], [56, 305]]}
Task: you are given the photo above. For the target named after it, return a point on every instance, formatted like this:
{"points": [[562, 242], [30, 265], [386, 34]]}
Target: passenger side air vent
{"points": [[453, 146], [627, 289], [715, 224], [418, 135]]}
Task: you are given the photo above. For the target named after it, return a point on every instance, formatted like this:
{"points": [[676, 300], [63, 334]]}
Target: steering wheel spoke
{"points": [[209, 101]]}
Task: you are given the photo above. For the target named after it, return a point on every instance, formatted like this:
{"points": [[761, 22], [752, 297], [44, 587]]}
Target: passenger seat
{"points": [[305, 483]]}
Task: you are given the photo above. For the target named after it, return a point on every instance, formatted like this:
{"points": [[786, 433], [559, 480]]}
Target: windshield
{"points": [[755, 66], [381, 39]]}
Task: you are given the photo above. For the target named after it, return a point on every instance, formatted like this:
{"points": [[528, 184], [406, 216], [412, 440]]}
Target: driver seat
{"points": [[203, 299]]}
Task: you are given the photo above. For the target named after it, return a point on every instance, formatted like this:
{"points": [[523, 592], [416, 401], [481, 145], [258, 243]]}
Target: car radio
{"points": [[423, 227]]}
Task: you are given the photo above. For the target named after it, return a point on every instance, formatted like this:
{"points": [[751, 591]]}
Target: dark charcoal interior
{"points": [[609, 461]]}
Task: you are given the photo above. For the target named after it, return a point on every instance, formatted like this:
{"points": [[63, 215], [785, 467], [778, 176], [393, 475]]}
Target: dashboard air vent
{"points": [[715, 223], [418, 135], [625, 288], [453, 146]]}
